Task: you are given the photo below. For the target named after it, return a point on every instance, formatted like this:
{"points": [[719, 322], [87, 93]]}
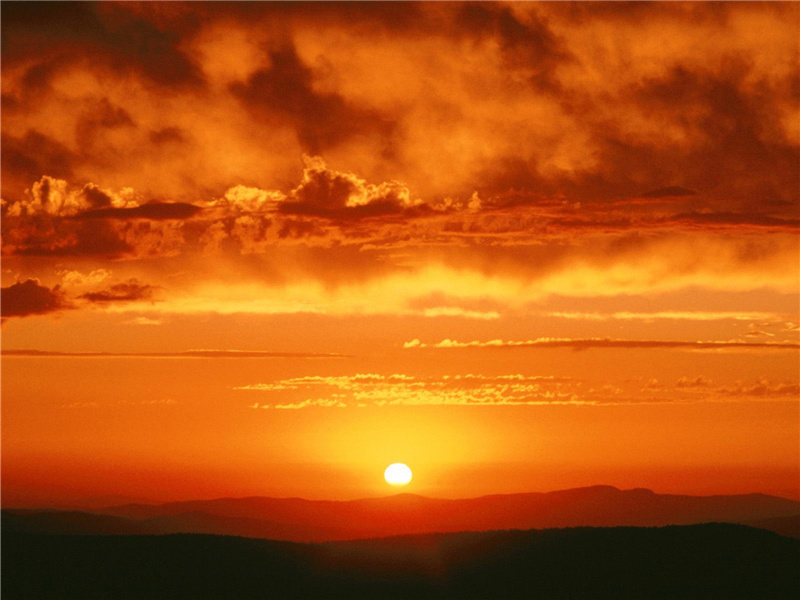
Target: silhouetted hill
{"points": [[84, 523], [700, 561], [69, 523], [301, 520], [788, 526]]}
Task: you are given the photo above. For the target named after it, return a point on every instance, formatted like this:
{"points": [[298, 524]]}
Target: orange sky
{"points": [[519, 246]]}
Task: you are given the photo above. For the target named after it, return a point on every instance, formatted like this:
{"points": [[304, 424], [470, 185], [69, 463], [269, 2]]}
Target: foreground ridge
{"points": [[698, 561]]}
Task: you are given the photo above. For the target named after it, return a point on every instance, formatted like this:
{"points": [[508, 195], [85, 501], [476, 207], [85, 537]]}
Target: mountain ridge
{"points": [[302, 520]]}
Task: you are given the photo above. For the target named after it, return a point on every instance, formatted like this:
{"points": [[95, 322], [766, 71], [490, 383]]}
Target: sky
{"points": [[271, 248]]}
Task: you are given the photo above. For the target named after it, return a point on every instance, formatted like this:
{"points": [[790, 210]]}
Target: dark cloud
{"points": [[531, 45], [328, 193], [736, 127], [25, 159], [730, 142], [373, 209], [284, 92], [96, 197], [100, 116], [728, 218], [382, 17], [167, 135], [34, 85], [106, 32], [130, 291], [669, 192], [636, 11], [152, 210], [44, 235], [324, 189], [298, 228], [30, 298]]}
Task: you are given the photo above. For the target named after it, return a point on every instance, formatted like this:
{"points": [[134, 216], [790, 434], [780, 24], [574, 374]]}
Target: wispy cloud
{"points": [[586, 343], [183, 354], [452, 311], [370, 389], [363, 390], [671, 316], [321, 402], [143, 321], [118, 403]]}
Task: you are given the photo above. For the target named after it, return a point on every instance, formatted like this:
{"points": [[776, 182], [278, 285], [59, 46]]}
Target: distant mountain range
{"points": [[711, 561], [301, 520]]}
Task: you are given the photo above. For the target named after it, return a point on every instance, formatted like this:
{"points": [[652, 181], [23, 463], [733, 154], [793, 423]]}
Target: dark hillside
{"points": [[699, 561]]}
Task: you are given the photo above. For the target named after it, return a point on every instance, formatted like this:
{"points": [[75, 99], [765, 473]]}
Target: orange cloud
{"points": [[129, 291], [580, 344], [185, 354], [30, 298], [370, 389], [270, 133]]}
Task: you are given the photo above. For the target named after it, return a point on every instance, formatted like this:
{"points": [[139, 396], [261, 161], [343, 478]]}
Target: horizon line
{"points": [[75, 505], [199, 353]]}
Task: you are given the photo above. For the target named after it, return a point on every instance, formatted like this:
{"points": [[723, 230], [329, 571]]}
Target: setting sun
{"points": [[397, 474], [254, 252]]}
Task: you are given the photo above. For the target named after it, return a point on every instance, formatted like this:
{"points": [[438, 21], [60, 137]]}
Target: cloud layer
{"points": [[30, 298], [583, 344], [530, 148], [364, 390]]}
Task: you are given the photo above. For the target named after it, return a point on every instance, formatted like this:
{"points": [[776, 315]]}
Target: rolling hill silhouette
{"points": [[698, 561], [301, 520]]}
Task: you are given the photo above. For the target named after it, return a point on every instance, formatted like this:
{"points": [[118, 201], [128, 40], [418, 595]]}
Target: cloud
{"points": [[44, 238], [671, 315], [130, 291], [167, 135], [669, 192], [28, 157], [343, 195], [54, 197], [371, 389], [117, 403], [151, 210], [585, 103], [144, 321], [602, 161], [57, 219], [735, 219], [758, 334], [444, 305], [362, 390], [692, 382], [586, 343], [100, 117], [207, 354], [455, 311], [114, 37], [241, 199], [527, 42], [30, 298], [78, 279], [308, 403], [762, 388], [285, 90]]}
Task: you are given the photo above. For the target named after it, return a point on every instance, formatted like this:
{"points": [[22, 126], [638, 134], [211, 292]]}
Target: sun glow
{"points": [[397, 474]]}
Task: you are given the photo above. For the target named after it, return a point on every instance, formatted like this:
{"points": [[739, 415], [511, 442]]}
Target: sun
{"points": [[397, 474]]}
